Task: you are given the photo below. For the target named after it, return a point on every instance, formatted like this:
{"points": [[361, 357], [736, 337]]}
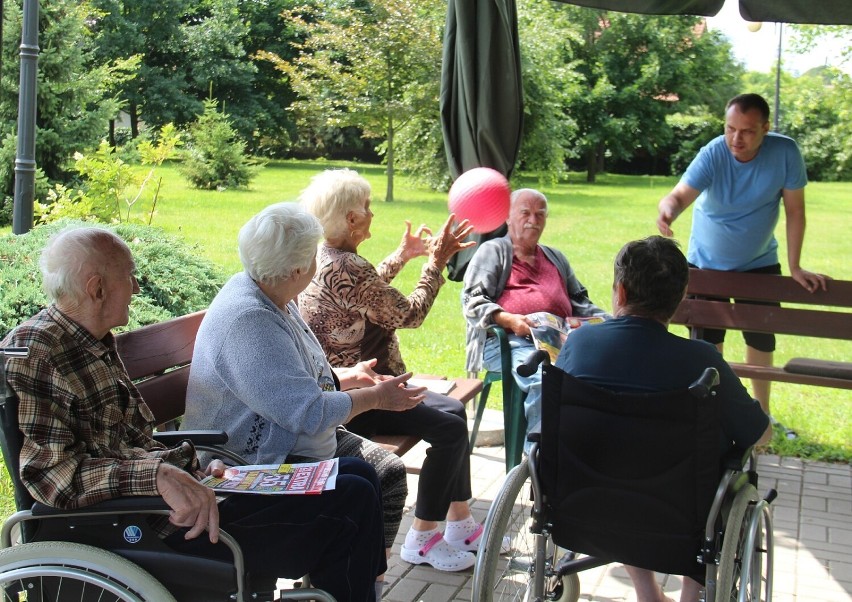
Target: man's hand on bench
{"points": [[809, 280]]}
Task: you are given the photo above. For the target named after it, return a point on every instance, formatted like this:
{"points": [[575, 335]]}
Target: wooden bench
{"points": [[823, 314], [158, 357]]}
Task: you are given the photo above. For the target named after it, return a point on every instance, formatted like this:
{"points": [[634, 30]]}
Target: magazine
{"points": [[549, 331], [309, 478], [436, 385]]}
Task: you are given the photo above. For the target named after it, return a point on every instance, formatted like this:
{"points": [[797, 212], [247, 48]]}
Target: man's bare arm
{"points": [[673, 204], [794, 210]]}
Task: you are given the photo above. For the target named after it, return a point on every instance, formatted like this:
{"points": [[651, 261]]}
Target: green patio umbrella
{"points": [[481, 97]]}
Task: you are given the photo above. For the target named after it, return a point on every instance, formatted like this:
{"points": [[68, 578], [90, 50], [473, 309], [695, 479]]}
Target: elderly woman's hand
{"points": [[360, 375], [448, 242], [391, 394], [395, 395], [414, 245]]}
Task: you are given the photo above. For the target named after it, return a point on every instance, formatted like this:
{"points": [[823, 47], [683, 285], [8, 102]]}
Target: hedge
{"points": [[173, 277]]}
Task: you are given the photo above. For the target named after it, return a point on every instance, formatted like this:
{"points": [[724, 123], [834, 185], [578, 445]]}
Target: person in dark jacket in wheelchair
{"points": [[87, 437], [634, 352]]}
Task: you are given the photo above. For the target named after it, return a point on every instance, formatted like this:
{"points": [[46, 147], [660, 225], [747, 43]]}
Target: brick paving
{"points": [[813, 536]]}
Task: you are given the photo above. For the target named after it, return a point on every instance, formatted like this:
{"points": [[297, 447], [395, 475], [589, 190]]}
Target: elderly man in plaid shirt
{"points": [[88, 437]]}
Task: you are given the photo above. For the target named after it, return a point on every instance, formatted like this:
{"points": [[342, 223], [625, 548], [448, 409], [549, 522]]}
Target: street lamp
{"points": [[25, 164], [778, 78], [754, 27]]}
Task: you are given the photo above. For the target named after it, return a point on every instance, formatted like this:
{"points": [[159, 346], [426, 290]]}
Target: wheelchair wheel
{"points": [[505, 563], [54, 571], [741, 564]]}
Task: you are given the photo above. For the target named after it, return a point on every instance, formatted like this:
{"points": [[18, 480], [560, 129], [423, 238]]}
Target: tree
{"points": [[215, 157], [637, 69], [551, 80], [817, 112], [155, 31], [373, 64], [185, 47]]}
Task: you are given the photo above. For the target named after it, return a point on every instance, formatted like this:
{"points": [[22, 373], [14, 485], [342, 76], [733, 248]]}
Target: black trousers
{"points": [[441, 421], [336, 537]]}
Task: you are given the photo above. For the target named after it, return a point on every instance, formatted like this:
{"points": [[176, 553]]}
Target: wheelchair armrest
{"points": [[207, 438], [138, 503], [736, 458]]}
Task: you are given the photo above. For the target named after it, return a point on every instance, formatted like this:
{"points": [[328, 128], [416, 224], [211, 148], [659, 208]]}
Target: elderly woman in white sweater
{"points": [[259, 372]]}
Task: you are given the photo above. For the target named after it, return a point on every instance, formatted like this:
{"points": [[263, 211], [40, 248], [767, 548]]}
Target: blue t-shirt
{"points": [[639, 355], [733, 223]]}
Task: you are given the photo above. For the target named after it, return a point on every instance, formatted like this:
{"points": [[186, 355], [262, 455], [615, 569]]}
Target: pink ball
{"points": [[481, 195]]}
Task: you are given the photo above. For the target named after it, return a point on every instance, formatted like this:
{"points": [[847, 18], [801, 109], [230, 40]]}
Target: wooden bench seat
{"points": [[157, 357], [821, 314]]}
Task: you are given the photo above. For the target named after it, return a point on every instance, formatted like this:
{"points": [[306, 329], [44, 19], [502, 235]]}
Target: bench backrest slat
{"points": [[166, 394], [152, 349], [767, 287], [157, 357], [761, 318]]}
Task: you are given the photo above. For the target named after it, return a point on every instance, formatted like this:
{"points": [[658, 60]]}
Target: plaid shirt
{"points": [[87, 431]]}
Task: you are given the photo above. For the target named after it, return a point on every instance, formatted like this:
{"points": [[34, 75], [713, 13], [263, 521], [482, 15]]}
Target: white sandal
{"points": [[470, 542], [440, 554]]}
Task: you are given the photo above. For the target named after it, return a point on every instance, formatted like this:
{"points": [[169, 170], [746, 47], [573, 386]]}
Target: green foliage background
{"points": [[174, 278]]}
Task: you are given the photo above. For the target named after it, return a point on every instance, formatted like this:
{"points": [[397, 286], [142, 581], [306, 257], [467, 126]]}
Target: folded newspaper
{"points": [[549, 331], [309, 478]]}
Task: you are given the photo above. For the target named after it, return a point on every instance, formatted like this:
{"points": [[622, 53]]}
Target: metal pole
{"points": [[25, 165], [778, 78]]}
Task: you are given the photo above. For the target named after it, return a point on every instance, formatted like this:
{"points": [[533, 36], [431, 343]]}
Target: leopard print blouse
{"points": [[354, 311]]}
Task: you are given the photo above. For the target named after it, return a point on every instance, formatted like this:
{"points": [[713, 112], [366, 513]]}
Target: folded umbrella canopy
{"points": [[481, 92]]}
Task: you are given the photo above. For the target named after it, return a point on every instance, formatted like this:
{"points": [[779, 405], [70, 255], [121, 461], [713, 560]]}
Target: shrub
{"points": [[173, 278], [215, 157], [110, 187]]}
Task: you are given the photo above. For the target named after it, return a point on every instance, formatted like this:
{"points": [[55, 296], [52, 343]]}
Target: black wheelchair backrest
{"points": [[629, 477]]}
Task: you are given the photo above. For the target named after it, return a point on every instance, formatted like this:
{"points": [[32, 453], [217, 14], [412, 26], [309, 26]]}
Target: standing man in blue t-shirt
{"points": [[740, 180]]}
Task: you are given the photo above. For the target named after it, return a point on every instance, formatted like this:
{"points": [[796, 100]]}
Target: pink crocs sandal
{"points": [[440, 554], [470, 542]]}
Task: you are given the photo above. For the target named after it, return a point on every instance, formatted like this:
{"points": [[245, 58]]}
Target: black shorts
{"points": [[762, 341]]}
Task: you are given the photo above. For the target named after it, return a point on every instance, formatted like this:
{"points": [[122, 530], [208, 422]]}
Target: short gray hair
{"points": [[277, 241], [517, 194], [331, 195], [72, 256]]}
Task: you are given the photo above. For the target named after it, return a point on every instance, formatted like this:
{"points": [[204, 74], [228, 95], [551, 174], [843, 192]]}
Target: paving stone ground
{"points": [[813, 536]]}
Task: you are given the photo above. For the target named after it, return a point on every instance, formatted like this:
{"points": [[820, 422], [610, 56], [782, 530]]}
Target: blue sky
{"points": [[759, 49]]}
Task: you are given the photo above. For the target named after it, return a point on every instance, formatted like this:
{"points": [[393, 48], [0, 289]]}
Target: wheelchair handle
{"points": [[708, 380], [529, 367], [4, 353], [15, 351]]}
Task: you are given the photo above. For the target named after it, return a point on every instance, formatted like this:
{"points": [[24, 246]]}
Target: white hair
{"points": [[277, 241], [331, 195], [72, 256], [517, 194]]}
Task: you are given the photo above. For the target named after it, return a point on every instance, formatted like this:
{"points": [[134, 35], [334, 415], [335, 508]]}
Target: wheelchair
{"points": [[630, 478], [109, 551]]}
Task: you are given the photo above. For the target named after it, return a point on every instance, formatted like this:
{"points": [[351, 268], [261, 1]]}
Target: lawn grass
{"points": [[589, 222]]}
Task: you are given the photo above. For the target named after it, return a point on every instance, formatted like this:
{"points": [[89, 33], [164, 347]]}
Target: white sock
{"points": [[459, 529], [414, 540]]}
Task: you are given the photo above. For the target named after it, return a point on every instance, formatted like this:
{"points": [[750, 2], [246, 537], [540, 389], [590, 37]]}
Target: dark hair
{"points": [[748, 102], [654, 274]]}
